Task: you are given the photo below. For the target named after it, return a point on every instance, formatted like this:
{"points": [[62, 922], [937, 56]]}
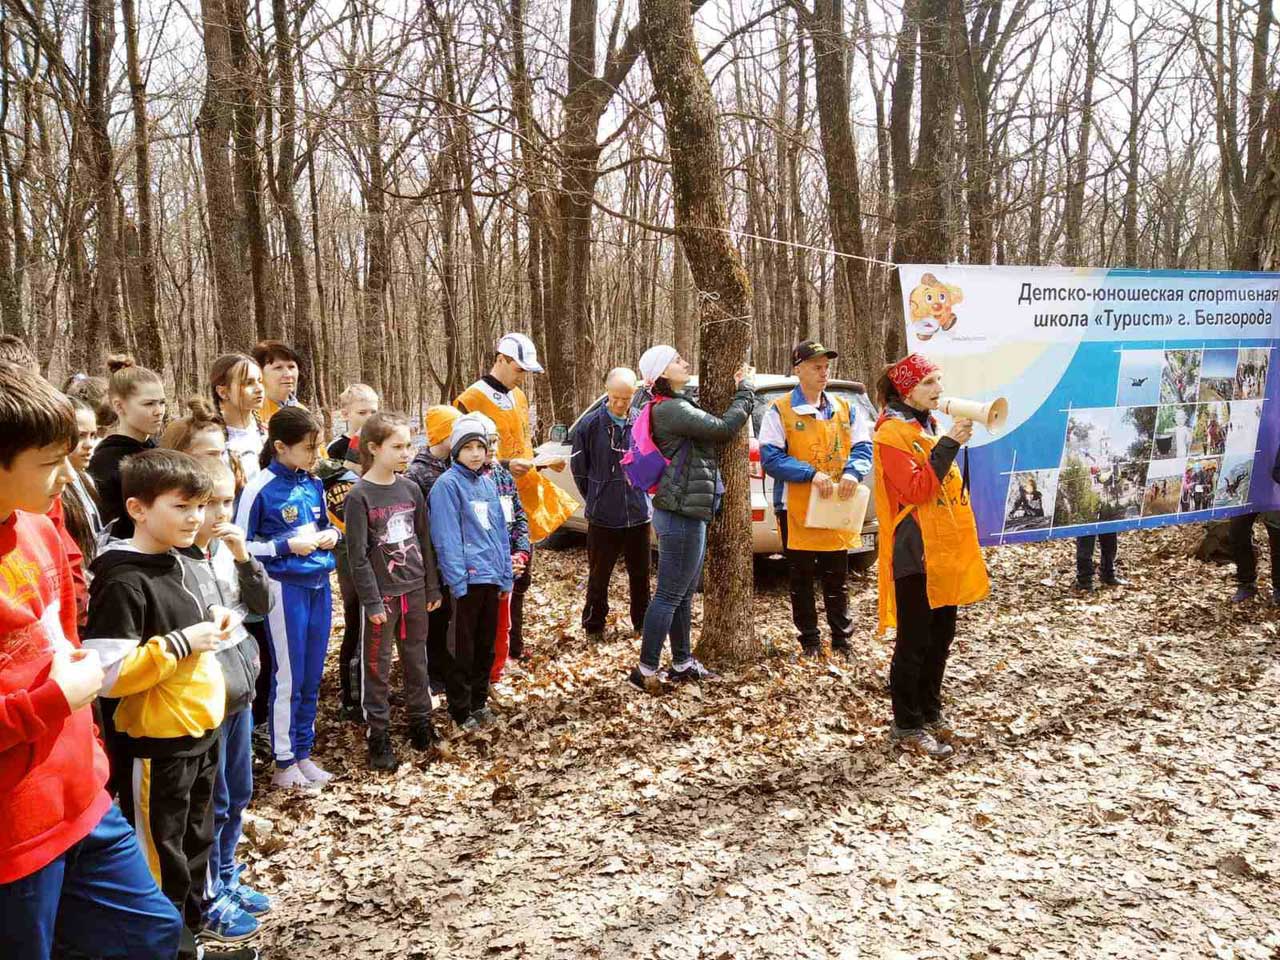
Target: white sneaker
{"points": [[317, 775], [292, 778]]}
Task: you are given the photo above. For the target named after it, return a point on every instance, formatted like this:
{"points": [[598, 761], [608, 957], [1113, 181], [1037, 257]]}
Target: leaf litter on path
{"points": [[1117, 793]]}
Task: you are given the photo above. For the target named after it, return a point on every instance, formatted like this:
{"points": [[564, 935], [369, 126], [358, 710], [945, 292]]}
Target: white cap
{"points": [[655, 360], [520, 349]]}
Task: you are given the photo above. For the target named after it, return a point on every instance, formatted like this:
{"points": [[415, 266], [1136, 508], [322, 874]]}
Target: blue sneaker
{"points": [[226, 922], [252, 902], [249, 900]]}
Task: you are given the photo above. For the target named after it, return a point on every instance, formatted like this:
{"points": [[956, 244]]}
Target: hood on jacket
{"points": [[122, 553]]}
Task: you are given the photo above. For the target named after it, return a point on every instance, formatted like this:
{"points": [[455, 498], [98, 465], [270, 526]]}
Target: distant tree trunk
{"points": [[104, 313], [248, 168], [697, 175], [1073, 225], [373, 335], [235, 320], [146, 326], [977, 153], [1258, 240], [286, 193], [683, 335], [10, 289], [861, 341]]}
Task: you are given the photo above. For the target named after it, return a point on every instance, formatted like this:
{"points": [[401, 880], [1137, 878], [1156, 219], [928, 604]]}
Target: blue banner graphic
{"points": [[1136, 398]]}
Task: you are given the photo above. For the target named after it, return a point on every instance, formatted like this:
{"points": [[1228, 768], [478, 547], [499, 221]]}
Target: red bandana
{"points": [[909, 371]]}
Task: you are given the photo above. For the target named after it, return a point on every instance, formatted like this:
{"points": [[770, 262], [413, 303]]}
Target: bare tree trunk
{"points": [[1079, 166], [697, 175], [146, 327], [104, 314], [235, 320], [860, 340], [286, 193], [10, 290]]}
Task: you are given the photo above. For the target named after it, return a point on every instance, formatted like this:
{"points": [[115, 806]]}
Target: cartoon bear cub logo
{"points": [[931, 306]]}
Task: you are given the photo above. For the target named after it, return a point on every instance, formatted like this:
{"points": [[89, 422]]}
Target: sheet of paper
{"points": [[836, 514]]}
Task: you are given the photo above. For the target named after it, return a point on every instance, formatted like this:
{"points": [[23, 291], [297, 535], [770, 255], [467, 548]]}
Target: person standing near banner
{"points": [[930, 562], [1084, 561], [811, 438], [498, 395]]}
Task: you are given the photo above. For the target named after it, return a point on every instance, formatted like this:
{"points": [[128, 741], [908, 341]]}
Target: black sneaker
{"points": [[352, 713], [381, 754], [842, 650], [1244, 593], [422, 735], [693, 672], [595, 636], [1084, 586], [485, 717], [941, 729], [1114, 581], [813, 652], [646, 683], [468, 724]]}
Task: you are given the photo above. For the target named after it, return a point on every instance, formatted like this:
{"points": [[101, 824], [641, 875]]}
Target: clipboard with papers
{"points": [[832, 513]]}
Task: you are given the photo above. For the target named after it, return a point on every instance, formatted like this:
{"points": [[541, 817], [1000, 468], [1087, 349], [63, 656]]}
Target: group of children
{"points": [[196, 573]]}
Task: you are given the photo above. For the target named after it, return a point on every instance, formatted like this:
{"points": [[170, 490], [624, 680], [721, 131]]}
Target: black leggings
{"points": [[919, 654]]}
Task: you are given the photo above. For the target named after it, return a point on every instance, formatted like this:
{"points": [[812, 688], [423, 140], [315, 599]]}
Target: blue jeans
{"points": [[231, 795], [682, 542], [98, 898]]}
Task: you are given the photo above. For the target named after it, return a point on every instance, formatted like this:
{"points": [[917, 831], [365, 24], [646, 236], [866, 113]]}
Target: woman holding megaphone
{"points": [[930, 562]]}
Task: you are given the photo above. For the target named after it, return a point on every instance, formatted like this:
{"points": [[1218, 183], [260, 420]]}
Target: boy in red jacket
{"points": [[70, 868]]}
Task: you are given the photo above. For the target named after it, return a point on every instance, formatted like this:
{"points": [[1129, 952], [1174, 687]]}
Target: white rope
{"points": [[790, 243]]}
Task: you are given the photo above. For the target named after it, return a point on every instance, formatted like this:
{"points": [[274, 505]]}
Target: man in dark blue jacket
{"points": [[617, 513]]}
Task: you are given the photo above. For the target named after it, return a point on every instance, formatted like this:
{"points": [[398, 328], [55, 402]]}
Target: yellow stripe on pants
{"points": [[142, 815]]}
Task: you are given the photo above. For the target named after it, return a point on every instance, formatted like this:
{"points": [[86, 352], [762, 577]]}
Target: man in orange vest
{"points": [[810, 438], [498, 395]]}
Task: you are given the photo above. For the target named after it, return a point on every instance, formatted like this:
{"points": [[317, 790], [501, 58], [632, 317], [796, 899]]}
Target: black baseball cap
{"points": [[808, 349]]}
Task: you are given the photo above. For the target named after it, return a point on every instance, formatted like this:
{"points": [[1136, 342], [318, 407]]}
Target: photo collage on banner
{"points": [[1180, 439]]}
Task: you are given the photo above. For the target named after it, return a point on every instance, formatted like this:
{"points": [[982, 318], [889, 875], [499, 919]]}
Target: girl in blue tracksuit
{"points": [[473, 549], [282, 512]]}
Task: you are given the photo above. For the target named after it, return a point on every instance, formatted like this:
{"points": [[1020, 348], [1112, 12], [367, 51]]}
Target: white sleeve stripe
{"points": [[771, 432]]}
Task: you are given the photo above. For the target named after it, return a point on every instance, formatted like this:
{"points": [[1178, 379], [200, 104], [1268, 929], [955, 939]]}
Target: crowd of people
{"points": [[165, 593]]}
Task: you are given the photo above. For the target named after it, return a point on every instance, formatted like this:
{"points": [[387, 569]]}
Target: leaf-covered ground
{"points": [[1118, 794]]}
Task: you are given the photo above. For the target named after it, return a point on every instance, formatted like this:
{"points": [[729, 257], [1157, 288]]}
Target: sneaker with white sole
{"points": [[252, 902], [919, 740], [291, 778], [692, 672], [227, 922], [314, 773]]}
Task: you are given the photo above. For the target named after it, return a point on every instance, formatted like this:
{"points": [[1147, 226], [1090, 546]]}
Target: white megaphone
{"points": [[993, 414]]}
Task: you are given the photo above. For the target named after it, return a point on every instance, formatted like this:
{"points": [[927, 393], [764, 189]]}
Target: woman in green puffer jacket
{"points": [[686, 500]]}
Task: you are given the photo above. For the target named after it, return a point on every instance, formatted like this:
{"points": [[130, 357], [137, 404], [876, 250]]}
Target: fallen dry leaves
{"points": [[1117, 796]]}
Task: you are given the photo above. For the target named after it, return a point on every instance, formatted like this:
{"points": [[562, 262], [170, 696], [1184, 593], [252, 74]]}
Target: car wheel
{"points": [[862, 562], [562, 539]]}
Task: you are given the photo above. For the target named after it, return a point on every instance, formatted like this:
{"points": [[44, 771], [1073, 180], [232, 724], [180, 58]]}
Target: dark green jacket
{"points": [[688, 485]]}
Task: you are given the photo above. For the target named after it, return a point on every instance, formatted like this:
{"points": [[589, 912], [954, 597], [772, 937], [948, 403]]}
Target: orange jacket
{"points": [[955, 573]]}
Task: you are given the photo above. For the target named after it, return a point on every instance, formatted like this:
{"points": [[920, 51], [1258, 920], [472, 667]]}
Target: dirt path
{"points": [[1119, 796]]}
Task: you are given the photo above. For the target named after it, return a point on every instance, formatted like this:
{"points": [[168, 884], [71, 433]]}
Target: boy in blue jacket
{"points": [[469, 532]]}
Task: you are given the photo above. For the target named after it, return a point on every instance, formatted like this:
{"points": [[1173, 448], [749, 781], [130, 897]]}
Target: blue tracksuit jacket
{"points": [[274, 506], [469, 531]]}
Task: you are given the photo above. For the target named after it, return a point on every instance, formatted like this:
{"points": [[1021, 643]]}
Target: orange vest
{"points": [[545, 504], [270, 408], [955, 573], [824, 444]]}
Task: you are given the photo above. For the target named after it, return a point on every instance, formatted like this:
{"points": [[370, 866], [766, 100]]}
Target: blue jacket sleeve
{"points": [[781, 465], [580, 458], [446, 537], [859, 462]]}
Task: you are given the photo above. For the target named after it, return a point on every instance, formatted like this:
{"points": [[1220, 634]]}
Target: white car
{"points": [[764, 529]]}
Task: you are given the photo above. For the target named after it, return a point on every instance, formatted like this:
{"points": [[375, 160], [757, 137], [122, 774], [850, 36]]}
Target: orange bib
{"points": [[955, 573], [824, 444], [545, 504]]}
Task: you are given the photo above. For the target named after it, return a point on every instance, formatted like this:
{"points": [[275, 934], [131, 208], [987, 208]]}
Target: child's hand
{"points": [[378, 618], [517, 563], [204, 637], [224, 619], [433, 605], [78, 674], [327, 539], [234, 538], [303, 546]]}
